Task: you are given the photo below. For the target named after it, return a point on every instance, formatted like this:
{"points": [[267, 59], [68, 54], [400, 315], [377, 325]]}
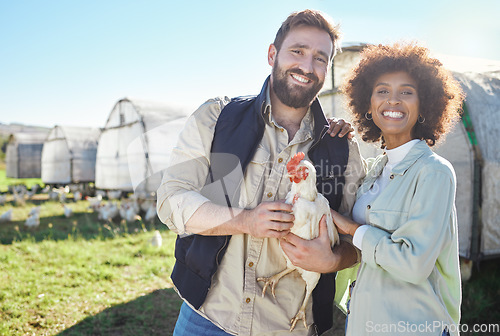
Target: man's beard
{"points": [[294, 95]]}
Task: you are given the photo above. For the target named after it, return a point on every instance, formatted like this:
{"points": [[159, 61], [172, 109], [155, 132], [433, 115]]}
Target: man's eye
{"points": [[407, 93], [320, 59], [382, 91]]}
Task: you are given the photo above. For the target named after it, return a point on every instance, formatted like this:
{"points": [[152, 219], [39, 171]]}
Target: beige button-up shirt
{"points": [[234, 301]]}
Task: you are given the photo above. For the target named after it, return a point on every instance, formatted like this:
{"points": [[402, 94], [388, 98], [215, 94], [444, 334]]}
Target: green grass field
{"points": [[79, 276]]}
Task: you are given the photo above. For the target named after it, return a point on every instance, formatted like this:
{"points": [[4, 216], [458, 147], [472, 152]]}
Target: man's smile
{"points": [[300, 78]]}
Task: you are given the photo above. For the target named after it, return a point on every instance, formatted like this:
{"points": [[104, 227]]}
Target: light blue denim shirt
{"points": [[409, 279]]}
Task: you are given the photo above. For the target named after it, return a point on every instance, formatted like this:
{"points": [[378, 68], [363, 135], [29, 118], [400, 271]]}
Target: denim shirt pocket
{"points": [[388, 220]]}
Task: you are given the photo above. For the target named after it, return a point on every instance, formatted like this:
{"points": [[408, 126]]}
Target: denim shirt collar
{"points": [[413, 155]]}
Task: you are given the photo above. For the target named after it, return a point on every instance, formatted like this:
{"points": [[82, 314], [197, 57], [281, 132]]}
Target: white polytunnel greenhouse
{"points": [[472, 146], [23, 154], [69, 155], [135, 145]]}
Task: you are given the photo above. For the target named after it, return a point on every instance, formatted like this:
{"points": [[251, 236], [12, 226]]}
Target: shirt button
{"points": [[250, 264], [280, 160], [282, 129], [391, 177], [247, 300], [368, 206], [269, 194]]}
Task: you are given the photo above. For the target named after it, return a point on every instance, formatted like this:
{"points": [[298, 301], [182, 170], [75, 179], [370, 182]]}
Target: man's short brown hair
{"points": [[312, 18]]}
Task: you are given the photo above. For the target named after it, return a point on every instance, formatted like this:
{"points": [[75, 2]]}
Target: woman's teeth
{"points": [[392, 114]]}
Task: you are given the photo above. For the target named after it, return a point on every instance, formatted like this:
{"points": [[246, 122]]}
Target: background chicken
{"points": [[6, 216], [308, 208]]}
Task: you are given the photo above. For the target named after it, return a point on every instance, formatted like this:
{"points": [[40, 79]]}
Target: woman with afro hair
{"points": [[404, 218]]}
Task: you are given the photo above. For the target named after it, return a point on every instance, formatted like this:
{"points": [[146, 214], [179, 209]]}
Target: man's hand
{"points": [[340, 127], [268, 220], [313, 255]]}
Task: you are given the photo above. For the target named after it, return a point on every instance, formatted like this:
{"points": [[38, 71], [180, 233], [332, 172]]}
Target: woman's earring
{"points": [[421, 119], [368, 116]]}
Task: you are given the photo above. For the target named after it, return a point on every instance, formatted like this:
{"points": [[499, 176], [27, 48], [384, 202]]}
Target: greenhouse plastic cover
{"points": [[69, 155], [134, 145]]}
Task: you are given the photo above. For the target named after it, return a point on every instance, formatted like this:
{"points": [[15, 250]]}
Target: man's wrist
{"points": [[240, 221]]}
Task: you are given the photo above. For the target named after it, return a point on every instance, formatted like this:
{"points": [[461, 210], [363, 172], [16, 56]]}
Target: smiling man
{"points": [[223, 193]]}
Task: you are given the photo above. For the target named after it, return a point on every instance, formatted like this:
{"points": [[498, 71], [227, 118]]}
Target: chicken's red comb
{"points": [[294, 161]]}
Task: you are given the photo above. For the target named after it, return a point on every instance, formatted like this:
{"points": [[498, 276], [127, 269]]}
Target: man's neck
{"points": [[287, 117]]}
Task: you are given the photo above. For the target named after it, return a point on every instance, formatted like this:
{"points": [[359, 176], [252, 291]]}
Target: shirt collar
{"points": [[306, 125], [266, 107], [420, 148], [415, 152], [396, 155]]}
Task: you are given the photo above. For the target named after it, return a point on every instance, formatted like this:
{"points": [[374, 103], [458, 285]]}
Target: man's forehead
{"points": [[309, 37]]}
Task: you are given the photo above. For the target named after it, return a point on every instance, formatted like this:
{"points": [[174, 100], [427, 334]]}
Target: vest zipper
{"points": [[319, 139], [217, 261], [220, 250]]}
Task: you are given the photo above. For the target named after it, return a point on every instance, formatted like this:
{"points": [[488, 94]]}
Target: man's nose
{"points": [[306, 65]]}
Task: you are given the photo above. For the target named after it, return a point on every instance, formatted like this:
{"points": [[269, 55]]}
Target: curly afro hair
{"points": [[440, 96]]}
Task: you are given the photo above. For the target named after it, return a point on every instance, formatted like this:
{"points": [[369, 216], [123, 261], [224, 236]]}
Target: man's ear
{"points": [[271, 55]]}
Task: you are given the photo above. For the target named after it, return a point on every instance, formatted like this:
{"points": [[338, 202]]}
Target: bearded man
{"points": [[223, 193]]}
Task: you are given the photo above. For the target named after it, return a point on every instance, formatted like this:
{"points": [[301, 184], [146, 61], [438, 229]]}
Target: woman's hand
{"points": [[344, 224], [341, 127]]}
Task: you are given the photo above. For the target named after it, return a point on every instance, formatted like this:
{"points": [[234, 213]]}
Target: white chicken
{"points": [[150, 213], [114, 194], [94, 202], [128, 211], [67, 210], [32, 220], [53, 194], [156, 240], [35, 211], [308, 208], [146, 204], [107, 212], [63, 195], [77, 196], [19, 197], [6, 216]]}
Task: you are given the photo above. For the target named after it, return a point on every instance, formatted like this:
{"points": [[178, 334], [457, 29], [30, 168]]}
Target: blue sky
{"points": [[68, 62]]}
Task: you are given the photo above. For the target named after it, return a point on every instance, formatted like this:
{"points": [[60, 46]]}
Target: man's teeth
{"points": [[392, 114], [300, 79]]}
